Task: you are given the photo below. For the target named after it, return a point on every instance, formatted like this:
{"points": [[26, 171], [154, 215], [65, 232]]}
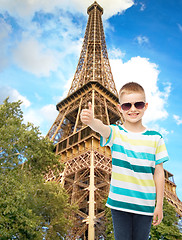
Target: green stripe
{"points": [[148, 132], [130, 206], [162, 160], [132, 193], [135, 168], [133, 154], [151, 133], [120, 128]]}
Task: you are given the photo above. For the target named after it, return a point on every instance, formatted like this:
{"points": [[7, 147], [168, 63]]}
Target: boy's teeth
{"points": [[133, 114]]}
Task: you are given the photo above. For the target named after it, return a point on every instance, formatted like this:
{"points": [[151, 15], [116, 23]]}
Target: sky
{"points": [[40, 44]]}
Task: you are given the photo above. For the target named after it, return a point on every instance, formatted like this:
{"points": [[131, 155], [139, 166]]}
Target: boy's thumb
{"points": [[90, 106]]}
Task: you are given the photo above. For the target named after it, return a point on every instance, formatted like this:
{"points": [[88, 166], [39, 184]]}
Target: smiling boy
{"points": [[137, 180]]}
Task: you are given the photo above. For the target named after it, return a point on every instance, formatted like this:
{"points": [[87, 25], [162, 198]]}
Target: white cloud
{"points": [[27, 8], [6, 30], [43, 117], [13, 95], [142, 40], [72, 47], [65, 89], [69, 27], [178, 119], [32, 56], [115, 53], [143, 6], [115, 7], [49, 112], [141, 70], [164, 132], [33, 116]]}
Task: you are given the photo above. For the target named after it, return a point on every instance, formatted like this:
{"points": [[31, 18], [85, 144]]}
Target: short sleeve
{"points": [[161, 152], [109, 141]]}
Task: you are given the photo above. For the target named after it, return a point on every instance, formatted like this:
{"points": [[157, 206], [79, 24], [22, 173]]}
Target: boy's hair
{"points": [[131, 87]]}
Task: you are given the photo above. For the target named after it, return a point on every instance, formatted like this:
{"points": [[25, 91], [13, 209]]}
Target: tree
{"points": [[168, 228], [22, 143], [109, 224], [29, 208], [17, 220], [180, 225]]}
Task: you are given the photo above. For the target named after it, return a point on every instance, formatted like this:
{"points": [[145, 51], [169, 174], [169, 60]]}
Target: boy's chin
{"points": [[133, 120]]}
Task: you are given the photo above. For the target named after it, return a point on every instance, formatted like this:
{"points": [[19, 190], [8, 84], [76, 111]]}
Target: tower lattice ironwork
{"points": [[87, 170]]}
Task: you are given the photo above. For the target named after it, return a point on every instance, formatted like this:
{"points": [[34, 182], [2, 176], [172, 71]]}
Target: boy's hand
{"points": [[87, 115], [158, 216]]}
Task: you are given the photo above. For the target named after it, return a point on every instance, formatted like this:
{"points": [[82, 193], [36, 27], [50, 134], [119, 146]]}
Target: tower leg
{"points": [[91, 230]]}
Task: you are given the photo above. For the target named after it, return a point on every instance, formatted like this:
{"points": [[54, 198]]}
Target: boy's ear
{"points": [[119, 107], [146, 106]]}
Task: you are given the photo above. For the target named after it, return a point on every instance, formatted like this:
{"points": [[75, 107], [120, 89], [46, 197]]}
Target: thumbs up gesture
{"points": [[87, 115]]}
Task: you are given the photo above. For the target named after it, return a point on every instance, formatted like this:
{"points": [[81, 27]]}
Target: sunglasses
{"points": [[138, 105]]}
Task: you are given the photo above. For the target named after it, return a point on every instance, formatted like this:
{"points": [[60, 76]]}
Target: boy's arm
{"points": [[159, 183], [96, 124]]}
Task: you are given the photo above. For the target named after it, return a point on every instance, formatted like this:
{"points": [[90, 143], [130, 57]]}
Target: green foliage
{"points": [[16, 218], [168, 228], [29, 207], [109, 225], [180, 225], [21, 142], [51, 204]]}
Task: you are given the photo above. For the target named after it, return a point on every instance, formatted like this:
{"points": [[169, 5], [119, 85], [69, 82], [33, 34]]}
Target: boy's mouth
{"points": [[133, 114]]}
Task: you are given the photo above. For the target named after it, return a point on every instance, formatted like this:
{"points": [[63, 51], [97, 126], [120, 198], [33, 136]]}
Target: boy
{"points": [[137, 166]]}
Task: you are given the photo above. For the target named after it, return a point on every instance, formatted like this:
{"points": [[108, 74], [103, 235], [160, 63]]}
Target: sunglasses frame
{"points": [[131, 104]]}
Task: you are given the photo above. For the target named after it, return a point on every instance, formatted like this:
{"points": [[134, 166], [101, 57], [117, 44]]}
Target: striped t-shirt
{"points": [[134, 156]]}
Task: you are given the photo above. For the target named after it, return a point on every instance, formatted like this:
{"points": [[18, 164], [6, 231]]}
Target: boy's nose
{"points": [[133, 108]]}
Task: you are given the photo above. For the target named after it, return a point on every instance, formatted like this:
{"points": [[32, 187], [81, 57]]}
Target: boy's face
{"points": [[136, 112]]}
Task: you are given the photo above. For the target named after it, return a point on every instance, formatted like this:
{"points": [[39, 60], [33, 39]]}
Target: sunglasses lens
{"points": [[126, 106], [139, 105]]}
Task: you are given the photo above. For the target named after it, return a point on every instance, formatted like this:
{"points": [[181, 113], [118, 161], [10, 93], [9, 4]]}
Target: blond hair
{"points": [[131, 87]]}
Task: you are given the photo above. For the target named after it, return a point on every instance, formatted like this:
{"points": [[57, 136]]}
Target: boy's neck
{"points": [[134, 127]]}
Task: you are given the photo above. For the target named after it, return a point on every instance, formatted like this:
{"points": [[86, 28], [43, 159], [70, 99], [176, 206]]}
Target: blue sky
{"points": [[40, 44]]}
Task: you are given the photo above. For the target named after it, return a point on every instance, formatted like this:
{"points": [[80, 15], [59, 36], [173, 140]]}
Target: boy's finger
{"points": [[90, 106], [154, 219]]}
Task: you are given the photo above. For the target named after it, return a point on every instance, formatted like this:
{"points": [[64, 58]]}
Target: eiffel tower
{"points": [[88, 166], [87, 172]]}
